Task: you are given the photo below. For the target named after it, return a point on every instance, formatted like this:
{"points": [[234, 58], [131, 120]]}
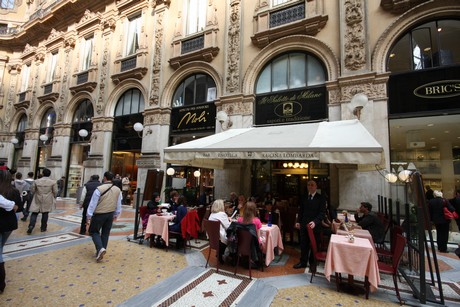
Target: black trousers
{"points": [[33, 220], [442, 236], [306, 253], [83, 220]]}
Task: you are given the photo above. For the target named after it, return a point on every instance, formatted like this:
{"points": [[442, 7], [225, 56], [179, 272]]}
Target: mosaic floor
{"points": [[58, 268]]}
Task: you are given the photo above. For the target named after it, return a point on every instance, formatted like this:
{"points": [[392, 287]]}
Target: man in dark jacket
{"points": [[371, 222], [86, 194], [311, 213]]}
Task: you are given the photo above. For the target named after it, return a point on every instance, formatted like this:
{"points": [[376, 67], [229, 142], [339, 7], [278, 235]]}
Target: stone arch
{"points": [[118, 91], [16, 118], [184, 71], [74, 103], [40, 112], [424, 12], [291, 43]]}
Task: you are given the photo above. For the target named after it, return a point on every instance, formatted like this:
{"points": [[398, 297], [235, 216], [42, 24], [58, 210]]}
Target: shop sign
{"points": [[439, 89], [291, 106], [194, 118], [262, 155], [427, 91]]}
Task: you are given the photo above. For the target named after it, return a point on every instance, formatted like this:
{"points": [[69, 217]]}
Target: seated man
{"points": [[370, 221]]}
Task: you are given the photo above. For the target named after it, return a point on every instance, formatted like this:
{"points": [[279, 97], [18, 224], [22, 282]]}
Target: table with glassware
{"points": [[158, 225], [270, 238], [355, 258]]}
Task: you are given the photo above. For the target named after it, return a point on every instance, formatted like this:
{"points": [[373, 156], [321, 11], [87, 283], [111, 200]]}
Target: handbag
{"points": [[447, 214]]}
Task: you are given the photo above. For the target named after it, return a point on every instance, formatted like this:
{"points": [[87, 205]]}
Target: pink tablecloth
{"points": [[358, 259], [360, 233], [270, 238], [158, 225]]}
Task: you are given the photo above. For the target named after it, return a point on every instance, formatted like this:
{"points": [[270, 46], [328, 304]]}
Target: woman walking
{"points": [[436, 206], [10, 200]]}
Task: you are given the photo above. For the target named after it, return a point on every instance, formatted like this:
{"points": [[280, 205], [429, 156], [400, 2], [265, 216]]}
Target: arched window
{"points": [[432, 44], [195, 89], [47, 123], [130, 102], [128, 111], [291, 71], [82, 120]]}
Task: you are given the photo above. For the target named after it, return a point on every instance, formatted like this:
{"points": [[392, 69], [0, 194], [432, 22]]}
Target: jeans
{"points": [[33, 220], [3, 237], [99, 229]]}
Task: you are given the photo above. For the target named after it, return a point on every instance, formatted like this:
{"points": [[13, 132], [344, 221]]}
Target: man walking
{"points": [[86, 194], [311, 213], [44, 201], [29, 196], [103, 209]]}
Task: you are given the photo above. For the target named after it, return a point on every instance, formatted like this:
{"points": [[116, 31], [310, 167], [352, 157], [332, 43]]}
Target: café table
{"points": [[360, 233], [270, 240], [355, 259], [158, 225]]}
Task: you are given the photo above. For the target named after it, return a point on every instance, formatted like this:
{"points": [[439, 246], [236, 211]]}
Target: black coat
{"points": [[232, 241], [312, 210], [91, 186], [8, 219], [436, 207]]}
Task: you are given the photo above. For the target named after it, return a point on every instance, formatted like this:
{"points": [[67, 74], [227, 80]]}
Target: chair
{"points": [[392, 268], [383, 252], [318, 256], [213, 231], [189, 229], [245, 243]]}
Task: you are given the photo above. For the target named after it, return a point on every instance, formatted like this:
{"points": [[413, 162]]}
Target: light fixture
{"points": [[14, 140], [359, 100], [404, 175], [84, 133], [196, 173], [223, 118], [391, 178], [170, 171], [139, 127], [44, 138], [411, 166]]}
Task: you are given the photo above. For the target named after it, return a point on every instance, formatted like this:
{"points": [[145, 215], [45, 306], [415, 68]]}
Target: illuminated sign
{"points": [[194, 118]]}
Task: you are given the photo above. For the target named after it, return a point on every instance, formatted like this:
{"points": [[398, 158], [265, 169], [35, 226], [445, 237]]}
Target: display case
{"points": [[74, 180], [428, 162]]}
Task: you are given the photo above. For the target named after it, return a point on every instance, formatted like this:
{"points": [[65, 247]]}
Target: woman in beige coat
{"points": [[44, 201]]}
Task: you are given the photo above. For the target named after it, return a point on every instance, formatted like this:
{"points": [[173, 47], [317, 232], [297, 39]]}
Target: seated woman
{"points": [[239, 209], [181, 212], [218, 214], [250, 217], [152, 208]]}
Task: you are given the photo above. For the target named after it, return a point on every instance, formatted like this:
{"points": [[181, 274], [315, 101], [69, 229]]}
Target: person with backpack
{"points": [[30, 180], [23, 187]]}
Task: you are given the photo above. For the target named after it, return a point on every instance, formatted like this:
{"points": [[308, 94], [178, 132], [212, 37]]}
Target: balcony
{"points": [[50, 92], [202, 47], [133, 66], [273, 24], [24, 99], [85, 81]]}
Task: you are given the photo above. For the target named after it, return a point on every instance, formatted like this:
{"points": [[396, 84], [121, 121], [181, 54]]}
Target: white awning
{"points": [[346, 141]]}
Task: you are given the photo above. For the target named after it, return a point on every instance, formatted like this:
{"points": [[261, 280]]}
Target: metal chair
{"points": [[213, 231], [392, 268]]}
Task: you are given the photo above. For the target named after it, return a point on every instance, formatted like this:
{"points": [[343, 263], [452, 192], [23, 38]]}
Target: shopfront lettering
{"points": [[439, 89], [192, 118]]}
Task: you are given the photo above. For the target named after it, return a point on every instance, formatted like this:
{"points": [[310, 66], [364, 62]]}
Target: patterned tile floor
{"points": [[58, 268]]}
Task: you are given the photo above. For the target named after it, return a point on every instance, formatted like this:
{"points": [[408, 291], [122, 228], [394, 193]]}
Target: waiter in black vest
{"points": [[86, 194], [311, 213]]}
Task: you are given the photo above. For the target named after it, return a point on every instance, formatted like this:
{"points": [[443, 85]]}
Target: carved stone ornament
{"points": [[70, 42], [355, 54], [233, 56], [156, 3]]}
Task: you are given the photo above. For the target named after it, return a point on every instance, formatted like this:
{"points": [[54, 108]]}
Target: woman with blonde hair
{"points": [[218, 214], [249, 216]]}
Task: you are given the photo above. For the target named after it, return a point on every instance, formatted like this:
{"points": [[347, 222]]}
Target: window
{"points": [[276, 2], [7, 4], [133, 32], [293, 70], [196, 89], [48, 120], [25, 78], [86, 52], [22, 125], [432, 44], [84, 112], [131, 102], [52, 68], [196, 16]]}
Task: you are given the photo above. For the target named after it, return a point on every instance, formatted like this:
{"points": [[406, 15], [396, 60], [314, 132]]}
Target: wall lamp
{"points": [[358, 101], [14, 141], [170, 171], [44, 138], [84, 133], [139, 127], [223, 118]]}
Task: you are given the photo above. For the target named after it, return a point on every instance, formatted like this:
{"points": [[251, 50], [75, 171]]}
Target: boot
{"points": [[2, 277], [29, 230]]}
